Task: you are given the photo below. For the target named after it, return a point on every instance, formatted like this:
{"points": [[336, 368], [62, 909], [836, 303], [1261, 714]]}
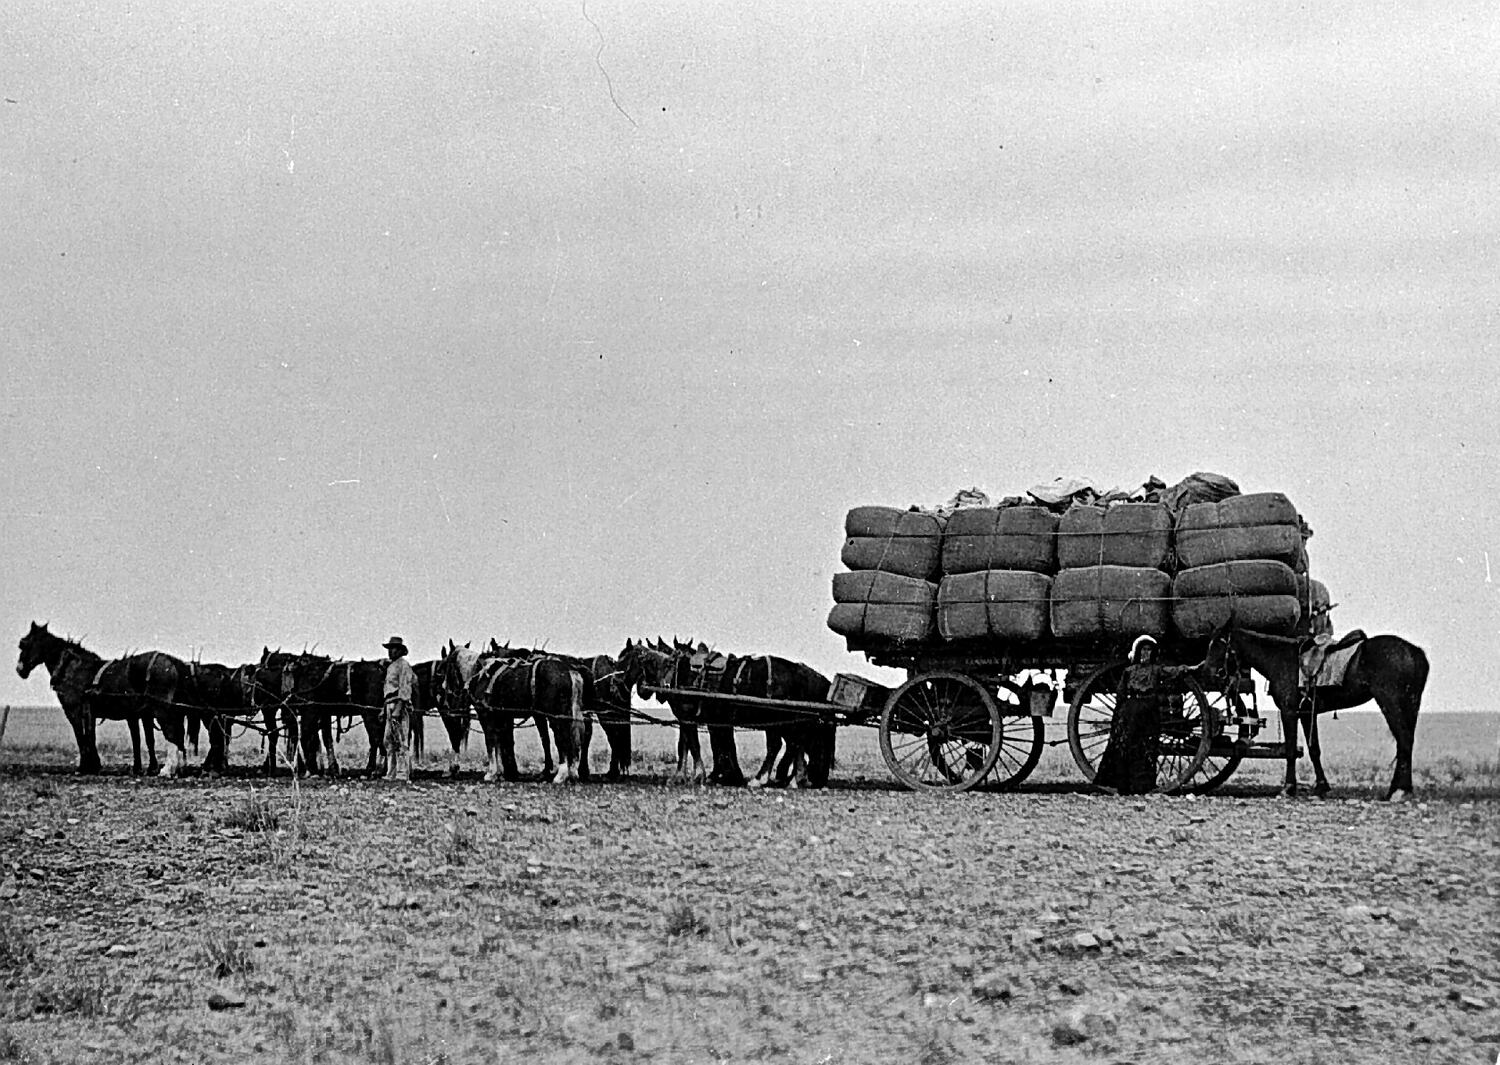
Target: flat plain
{"points": [[457, 921]]}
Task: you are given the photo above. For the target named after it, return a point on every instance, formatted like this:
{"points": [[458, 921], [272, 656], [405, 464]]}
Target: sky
{"points": [[570, 323]]}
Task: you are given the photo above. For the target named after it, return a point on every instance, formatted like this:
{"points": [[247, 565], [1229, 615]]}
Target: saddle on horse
{"points": [[1325, 660]]}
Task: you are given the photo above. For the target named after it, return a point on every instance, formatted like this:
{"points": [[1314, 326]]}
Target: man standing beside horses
{"points": [[400, 688]]}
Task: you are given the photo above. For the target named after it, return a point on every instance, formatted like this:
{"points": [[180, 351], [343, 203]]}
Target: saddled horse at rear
{"points": [[1388, 669], [808, 737], [90, 687]]}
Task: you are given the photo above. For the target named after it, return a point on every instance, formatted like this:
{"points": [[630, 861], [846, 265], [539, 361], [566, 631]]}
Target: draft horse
{"points": [[809, 740], [1388, 669], [507, 685], [89, 687]]}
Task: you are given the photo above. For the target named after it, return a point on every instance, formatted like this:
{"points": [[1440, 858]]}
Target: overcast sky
{"points": [[327, 321]]}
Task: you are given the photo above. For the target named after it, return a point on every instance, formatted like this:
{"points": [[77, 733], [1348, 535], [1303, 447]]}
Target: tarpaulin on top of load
{"points": [[1063, 491], [1198, 488]]}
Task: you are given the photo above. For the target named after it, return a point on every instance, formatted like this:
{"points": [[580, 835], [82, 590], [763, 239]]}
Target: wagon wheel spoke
{"points": [[1189, 724]]}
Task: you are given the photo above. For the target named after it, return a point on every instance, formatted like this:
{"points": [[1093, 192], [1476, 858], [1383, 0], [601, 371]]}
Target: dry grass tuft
{"points": [[459, 842], [683, 920], [252, 813], [227, 955]]}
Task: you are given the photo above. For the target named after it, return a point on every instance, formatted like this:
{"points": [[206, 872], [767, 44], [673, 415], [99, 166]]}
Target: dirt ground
{"points": [[237, 919]]}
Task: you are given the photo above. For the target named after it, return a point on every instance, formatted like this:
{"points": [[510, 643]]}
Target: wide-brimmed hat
{"points": [[395, 641]]}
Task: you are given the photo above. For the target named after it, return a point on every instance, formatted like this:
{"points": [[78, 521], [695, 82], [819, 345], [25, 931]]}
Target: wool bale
{"points": [[1259, 525], [998, 604], [1243, 577], [907, 542], [882, 607], [1197, 618], [1111, 601], [1127, 534], [1000, 538]]}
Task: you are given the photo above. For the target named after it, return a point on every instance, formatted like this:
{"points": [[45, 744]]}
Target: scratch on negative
{"points": [[351, 480], [609, 85]]}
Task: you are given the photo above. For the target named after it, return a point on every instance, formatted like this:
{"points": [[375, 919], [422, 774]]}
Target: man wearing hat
{"points": [[400, 687]]}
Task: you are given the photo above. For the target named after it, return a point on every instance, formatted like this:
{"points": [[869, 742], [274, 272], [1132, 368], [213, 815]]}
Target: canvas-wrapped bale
{"points": [[1099, 602], [906, 542], [872, 606], [1255, 594], [1262, 525], [1000, 538], [1126, 534], [994, 604]]}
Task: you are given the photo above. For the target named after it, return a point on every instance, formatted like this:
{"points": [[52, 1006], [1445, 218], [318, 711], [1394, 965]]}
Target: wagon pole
{"points": [[4, 720]]}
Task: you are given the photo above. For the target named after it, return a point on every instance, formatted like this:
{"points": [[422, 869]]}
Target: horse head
{"points": [[35, 648], [640, 665]]}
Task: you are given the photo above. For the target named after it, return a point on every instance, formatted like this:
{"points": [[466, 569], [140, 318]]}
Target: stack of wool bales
{"points": [[1238, 562], [997, 567], [1112, 581], [895, 558]]}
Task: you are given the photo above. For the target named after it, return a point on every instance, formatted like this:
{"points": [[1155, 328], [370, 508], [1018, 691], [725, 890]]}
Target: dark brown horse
{"points": [[808, 737], [1387, 669], [608, 703], [323, 691], [216, 697], [513, 683], [88, 687]]}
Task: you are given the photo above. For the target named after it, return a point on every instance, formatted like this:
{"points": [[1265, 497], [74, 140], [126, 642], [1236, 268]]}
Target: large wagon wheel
{"points": [[1187, 733], [940, 732], [1022, 740], [1226, 752]]}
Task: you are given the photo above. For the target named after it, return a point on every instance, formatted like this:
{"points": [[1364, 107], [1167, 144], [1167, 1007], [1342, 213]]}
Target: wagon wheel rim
{"points": [[1022, 740], [940, 732]]}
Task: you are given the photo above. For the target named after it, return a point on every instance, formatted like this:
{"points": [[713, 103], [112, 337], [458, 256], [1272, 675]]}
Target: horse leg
{"points": [[134, 724], [505, 733], [378, 761], [81, 718], [725, 750], [1315, 751], [491, 748], [148, 728], [457, 727], [1400, 713], [1289, 736], [763, 775], [617, 730], [172, 727], [544, 733]]}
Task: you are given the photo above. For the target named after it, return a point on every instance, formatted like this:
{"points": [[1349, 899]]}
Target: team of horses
{"points": [[299, 699]]}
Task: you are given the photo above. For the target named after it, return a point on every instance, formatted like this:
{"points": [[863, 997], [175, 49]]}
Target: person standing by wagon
{"points": [[1129, 762], [400, 690]]}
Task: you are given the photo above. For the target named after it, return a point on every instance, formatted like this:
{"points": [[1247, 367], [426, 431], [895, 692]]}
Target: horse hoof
{"points": [[1321, 791], [1400, 795], [1288, 792]]}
